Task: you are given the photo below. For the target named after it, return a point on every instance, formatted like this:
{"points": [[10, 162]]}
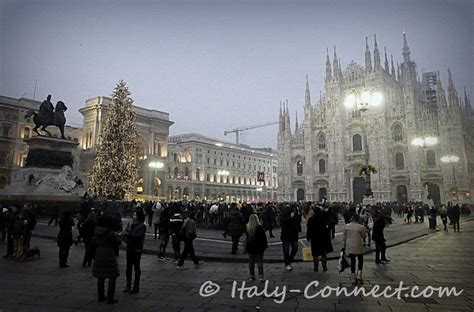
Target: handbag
{"points": [[306, 252], [344, 261]]}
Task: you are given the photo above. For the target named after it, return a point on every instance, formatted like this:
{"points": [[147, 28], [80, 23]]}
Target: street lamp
{"points": [[363, 100], [424, 141], [156, 164], [452, 159], [223, 172]]}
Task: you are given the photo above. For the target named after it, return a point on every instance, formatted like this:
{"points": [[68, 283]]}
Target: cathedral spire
{"points": [[376, 54], [398, 72], [368, 58], [440, 95], [387, 68], [467, 101], [452, 93], [335, 65], [296, 121], [406, 49], [307, 95], [328, 66], [393, 68]]}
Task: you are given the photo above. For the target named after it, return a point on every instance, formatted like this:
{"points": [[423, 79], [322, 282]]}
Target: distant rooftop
{"points": [[195, 137], [140, 111]]}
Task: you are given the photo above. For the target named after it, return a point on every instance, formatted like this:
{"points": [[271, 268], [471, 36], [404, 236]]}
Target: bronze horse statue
{"points": [[47, 118]]}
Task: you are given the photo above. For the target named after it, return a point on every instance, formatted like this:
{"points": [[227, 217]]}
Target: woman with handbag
{"points": [[354, 234], [255, 246]]}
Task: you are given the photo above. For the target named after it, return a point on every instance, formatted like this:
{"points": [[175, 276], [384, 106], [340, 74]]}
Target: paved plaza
{"points": [[436, 259], [212, 246]]}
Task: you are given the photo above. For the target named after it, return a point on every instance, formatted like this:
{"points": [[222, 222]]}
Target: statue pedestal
{"points": [[48, 171], [368, 201], [48, 152]]}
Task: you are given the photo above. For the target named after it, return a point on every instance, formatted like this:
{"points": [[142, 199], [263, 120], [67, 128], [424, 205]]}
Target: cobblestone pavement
{"points": [[211, 245], [437, 259]]}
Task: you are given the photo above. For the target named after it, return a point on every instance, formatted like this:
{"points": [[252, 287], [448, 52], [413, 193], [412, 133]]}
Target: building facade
{"points": [[153, 127], [204, 168], [322, 157], [14, 129]]}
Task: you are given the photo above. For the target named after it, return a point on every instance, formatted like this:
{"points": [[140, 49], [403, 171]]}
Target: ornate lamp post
{"points": [[452, 159], [424, 142], [363, 101]]}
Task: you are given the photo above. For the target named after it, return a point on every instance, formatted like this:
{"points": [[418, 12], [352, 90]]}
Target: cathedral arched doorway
{"points": [[323, 194], [434, 194], [402, 193], [358, 189], [299, 194]]}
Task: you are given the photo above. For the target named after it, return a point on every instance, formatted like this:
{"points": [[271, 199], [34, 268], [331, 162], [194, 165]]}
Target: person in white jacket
{"points": [[157, 208], [354, 234]]}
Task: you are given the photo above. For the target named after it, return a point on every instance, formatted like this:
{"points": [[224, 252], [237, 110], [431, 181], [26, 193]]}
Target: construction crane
{"points": [[245, 128]]}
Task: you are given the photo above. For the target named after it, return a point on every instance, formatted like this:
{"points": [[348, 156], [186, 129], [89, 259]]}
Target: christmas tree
{"points": [[115, 171]]}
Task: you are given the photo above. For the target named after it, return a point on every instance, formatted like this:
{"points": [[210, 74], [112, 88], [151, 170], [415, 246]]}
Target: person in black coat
{"points": [[268, 219], [65, 238], [290, 222], [319, 236], [432, 218], [135, 237], [255, 246], [456, 216], [164, 228], [379, 238], [105, 261], [86, 232], [235, 226]]}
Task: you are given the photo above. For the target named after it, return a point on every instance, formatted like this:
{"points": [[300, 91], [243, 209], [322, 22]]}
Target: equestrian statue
{"points": [[49, 116]]}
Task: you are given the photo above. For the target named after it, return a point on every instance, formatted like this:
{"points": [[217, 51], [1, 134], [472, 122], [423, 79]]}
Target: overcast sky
{"points": [[215, 65]]}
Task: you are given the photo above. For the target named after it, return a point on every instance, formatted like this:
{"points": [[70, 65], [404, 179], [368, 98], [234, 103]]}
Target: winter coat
{"points": [[377, 232], [176, 222], [156, 214], [189, 229], [65, 232], [18, 227], [87, 230], [354, 233], [235, 223], [135, 236], [268, 218], [105, 264], [290, 226], [164, 224], [258, 243], [319, 236]]}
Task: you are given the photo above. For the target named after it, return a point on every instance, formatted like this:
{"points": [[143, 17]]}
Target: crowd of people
{"points": [[101, 232]]}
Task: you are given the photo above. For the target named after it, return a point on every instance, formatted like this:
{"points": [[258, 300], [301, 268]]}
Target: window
{"points": [[208, 177], [198, 174], [6, 130], [299, 168], [322, 141], [186, 172], [397, 134], [357, 143], [322, 166], [176, 172], [208, 160], [431, 158], [175, 157], [399, 161]]}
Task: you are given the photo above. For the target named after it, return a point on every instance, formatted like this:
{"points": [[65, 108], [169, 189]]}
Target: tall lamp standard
{"points": [[156, 165], [452, 159], [424, 143], [363, 101]]}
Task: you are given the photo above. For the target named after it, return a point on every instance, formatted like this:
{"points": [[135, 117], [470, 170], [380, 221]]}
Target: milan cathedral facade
{"points": [[321, 158]]}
